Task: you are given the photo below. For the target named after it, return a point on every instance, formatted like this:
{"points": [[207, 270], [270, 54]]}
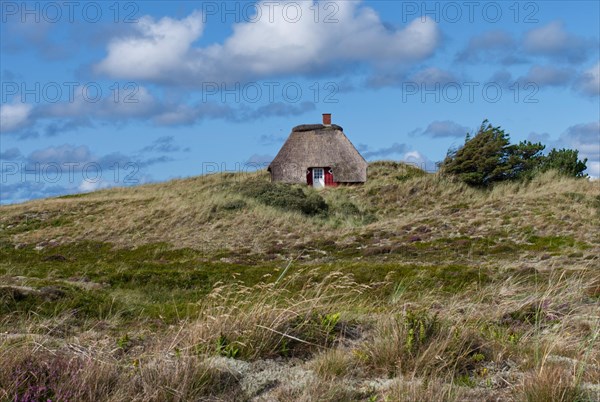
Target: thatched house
{"points": [[318, 155]]}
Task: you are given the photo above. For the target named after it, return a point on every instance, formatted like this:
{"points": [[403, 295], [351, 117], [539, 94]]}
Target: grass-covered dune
{"points": [[228, 287]]}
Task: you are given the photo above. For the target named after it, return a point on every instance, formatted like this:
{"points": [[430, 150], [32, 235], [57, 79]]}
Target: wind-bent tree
{"points": [[488, 157]]}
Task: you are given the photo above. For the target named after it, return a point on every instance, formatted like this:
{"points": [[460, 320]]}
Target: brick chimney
{"points": [[327, 119]]}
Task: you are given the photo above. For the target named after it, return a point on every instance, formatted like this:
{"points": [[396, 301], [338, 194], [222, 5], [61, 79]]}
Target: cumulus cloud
{"points": [[586, 139], [14, 116], [553, 41], [589, 82], [79, 112], [427, 77], [163, 50], [57, 118], [184, 114], [166, 50], [61, 154], [433, 75], [503, 78], [158, 49], [278, 109], [77, 158], [65, 169], [71, 115], [594, 169], [446, 128], [550, 41], [26, 34], [490, 46], [402, 152], [11, 154], [419, 160], [583, 137], [548, 76], [24, 191], [138, 103], [59, 127], [394, 149], [87, 186]]}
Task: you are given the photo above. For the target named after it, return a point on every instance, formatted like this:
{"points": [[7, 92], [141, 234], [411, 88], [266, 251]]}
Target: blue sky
{"points": [[101, 94]]}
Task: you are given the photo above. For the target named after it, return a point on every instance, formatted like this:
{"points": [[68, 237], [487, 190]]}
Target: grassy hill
{"points": [[228, 287]]}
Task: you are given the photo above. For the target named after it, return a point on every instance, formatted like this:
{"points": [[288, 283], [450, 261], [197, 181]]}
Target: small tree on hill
{"points": [[488, 157], [565, 161], [524, 159]]}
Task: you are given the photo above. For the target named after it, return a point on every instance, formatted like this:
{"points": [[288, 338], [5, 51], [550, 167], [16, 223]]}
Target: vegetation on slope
{"points": [[411, 287], [489, 157]]}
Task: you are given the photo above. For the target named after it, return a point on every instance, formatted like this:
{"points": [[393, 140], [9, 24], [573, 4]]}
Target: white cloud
{"points": [[589, 82], [547, 38], [419, 160], [371, 154], [61, 154], [594, 169], [548, 76], [586, 139], [446, 128], [14, 116], [267, 48], [87, 186], [135, 102], [359, 35], [159, 48], [425, 78], [489, 46], [552, 40], [432, 76]]}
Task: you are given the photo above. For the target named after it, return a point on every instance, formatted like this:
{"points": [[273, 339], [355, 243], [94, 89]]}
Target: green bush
{"points": [[234, 205], [314, 204], [565, 161], [348, 208], [286, 197]]}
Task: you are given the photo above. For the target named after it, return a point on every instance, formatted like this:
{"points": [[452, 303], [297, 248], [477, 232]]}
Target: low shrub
{"points": [[286, 197], [348, 208], [234, 205]]}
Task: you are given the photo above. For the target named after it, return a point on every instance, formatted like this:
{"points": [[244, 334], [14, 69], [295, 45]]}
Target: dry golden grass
{"points": [[458, 351], [427, 291], [186, 212]]}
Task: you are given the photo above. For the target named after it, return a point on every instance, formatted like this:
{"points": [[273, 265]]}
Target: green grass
{"points": [[554, 243], [411, 278], [168, 283]]}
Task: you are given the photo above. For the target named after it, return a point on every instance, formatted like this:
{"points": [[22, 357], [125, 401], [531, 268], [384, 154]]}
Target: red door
{"points": [[309, 179], [329, 182]]}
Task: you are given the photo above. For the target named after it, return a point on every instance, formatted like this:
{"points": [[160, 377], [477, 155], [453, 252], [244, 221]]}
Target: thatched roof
{"points": [[317, 145], [313, 127]]}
